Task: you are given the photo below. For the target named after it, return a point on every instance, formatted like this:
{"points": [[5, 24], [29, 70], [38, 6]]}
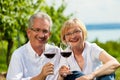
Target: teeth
{"points": [[73, 40], [40, 39]]}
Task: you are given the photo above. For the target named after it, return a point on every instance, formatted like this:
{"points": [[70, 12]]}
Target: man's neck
{"points": [[39, 49]]}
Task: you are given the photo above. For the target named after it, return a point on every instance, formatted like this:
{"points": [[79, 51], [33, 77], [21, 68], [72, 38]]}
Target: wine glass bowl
{"points": [[65, 50], [50, 52], [66, 54], [49, 55]]}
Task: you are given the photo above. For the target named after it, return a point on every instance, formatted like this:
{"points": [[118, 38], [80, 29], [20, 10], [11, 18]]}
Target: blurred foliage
{"points": [[112, 47], [14, 17], [58, 18]]}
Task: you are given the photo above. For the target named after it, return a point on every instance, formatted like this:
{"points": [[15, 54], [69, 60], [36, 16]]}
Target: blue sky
{"points": [[92, 11]]}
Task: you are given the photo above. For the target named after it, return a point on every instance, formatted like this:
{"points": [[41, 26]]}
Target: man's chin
{"points": [[42, 43]]}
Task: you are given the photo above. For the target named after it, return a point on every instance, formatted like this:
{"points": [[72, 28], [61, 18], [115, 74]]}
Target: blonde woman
{"points": [[88, 61]]}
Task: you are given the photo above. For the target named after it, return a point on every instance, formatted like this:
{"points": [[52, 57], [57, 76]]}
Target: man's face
{"points": [[39, 33]]}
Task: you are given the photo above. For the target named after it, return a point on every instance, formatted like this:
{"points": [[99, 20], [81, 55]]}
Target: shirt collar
{"points": [[32, 52]]}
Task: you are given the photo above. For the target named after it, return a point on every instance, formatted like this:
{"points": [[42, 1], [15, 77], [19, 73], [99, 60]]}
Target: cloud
{"points": [[93, 11]]}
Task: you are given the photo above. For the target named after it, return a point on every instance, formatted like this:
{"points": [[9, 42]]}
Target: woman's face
{"points": [[74, 36]]}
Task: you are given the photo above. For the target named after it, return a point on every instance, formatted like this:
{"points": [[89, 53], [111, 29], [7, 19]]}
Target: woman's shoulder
{"points": [[93, 47], [90, 44]]}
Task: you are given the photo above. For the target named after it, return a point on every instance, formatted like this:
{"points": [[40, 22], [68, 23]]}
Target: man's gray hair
{"points": [[40, 15]]}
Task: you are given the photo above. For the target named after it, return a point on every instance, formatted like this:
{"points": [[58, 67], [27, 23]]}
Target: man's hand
{"points": [[48, 69]]}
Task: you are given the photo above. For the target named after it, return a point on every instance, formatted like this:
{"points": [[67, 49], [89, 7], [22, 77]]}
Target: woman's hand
{"points": [[63, 72]]}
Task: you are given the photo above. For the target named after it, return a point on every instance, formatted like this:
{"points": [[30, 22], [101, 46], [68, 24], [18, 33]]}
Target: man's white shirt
{"points": [[25, 63]]}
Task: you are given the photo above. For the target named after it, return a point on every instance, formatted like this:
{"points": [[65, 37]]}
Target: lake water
{"points": [[104, 35]]}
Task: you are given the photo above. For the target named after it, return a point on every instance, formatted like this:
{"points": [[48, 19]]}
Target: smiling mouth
{"points": [[74, 40], [41, 39]]}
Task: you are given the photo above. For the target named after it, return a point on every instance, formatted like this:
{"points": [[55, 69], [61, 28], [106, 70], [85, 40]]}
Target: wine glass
{"points": [[65, 51], [50, 52]]}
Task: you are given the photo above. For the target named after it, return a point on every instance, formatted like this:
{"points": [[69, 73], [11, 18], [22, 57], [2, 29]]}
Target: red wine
{"points": [[49, 55], [66, 54]]}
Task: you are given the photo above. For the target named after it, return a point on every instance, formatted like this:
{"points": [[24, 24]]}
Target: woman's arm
{"points": [[110, 64], [60, 78]]}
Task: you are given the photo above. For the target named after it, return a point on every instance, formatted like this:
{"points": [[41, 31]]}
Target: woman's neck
{"points": [[77, 50]]}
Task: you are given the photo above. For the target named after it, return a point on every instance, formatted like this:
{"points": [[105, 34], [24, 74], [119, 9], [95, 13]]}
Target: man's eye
{"points": [[37, 30], [45, 31]]}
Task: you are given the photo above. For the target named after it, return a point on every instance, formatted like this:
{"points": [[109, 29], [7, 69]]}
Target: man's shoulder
{"points": [[20, 50]]}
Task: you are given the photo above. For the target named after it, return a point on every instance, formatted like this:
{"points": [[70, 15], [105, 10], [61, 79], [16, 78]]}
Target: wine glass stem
{"points": [[67, 63]]}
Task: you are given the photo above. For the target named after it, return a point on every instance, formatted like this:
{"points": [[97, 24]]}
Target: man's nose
{"points": [[41, 34]]}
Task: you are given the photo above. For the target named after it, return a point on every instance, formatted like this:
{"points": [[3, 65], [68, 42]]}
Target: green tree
{"points": [[14, 17], [58, 18]]}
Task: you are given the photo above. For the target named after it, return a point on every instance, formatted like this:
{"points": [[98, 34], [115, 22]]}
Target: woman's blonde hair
{"points": [[71, 23]]}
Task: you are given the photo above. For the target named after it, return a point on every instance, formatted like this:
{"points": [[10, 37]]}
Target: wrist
{"points": [[93, 75], [60, 77], [41, 76]]}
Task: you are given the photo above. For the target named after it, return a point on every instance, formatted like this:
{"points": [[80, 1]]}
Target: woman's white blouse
{"points": [[91, 56]]}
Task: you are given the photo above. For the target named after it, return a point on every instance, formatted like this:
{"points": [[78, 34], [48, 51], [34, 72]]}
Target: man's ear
{"points": [[49, 33], [28, 32]]}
